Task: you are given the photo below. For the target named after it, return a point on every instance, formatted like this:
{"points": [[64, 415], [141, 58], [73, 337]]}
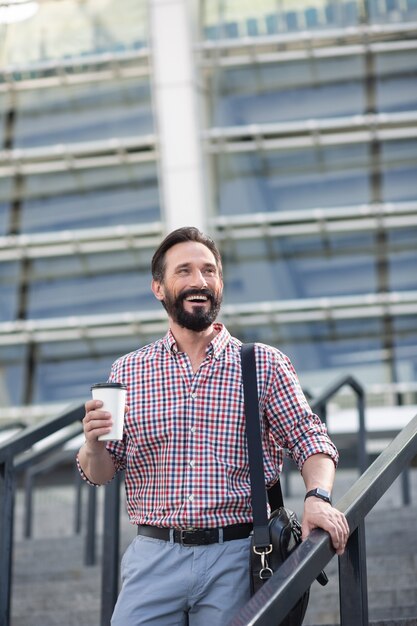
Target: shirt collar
{"points": [[217, 345]]}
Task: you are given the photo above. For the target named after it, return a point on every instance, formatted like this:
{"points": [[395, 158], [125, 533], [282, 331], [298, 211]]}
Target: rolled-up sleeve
{"points": [[292, 422]]}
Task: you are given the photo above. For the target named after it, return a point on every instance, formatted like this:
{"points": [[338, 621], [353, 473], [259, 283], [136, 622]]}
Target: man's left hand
{"points": [[320, 514]]}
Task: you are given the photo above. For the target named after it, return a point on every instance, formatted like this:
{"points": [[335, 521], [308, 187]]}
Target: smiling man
{"points": [[184, 450]]}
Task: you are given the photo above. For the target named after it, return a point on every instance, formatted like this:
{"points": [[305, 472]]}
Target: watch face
{"points": [[320, 493]]}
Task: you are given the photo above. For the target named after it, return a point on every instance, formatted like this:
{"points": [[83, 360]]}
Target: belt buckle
{"points": [[191, 540]]}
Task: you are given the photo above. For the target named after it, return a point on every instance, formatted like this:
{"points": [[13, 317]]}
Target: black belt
{"points": [[197, 536]]}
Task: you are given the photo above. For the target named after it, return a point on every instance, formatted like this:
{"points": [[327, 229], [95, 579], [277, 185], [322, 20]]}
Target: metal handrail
{"points": [[320, 405], [9, 451], [276, 598]]}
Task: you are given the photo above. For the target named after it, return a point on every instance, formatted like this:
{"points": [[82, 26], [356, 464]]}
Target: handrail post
{"points": [[353, 587], [110, 556], [28, 504], [6, 537], [362, 453], [90, 542], [78, 484], [405, 486]]}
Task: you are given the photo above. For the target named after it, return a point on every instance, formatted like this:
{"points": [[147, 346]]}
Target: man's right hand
{"points": [[96, 422], [95, 460]]}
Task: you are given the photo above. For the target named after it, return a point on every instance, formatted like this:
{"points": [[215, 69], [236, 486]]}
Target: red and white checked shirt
{"points": [[184, 446]]}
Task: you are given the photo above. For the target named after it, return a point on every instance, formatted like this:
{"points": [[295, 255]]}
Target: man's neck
{"points": [[193, 343], [190, 341]]}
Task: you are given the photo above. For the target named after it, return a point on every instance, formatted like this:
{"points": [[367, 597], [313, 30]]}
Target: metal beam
{"points": [[145, 324]]}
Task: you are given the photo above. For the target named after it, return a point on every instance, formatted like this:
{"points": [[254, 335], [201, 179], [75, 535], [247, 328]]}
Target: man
{"points": [[185, 454]]}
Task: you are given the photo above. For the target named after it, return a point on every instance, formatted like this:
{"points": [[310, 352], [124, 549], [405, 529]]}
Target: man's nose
{"points": [[199, 279]]}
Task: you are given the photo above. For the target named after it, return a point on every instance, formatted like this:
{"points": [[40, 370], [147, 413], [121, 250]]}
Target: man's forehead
{"points": [[189, 252]]}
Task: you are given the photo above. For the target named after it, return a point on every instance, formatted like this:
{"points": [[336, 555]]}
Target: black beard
{"points": [[199, 319]]}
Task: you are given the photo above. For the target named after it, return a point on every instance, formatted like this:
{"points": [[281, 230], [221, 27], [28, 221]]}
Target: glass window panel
{"points": [[403, 239], [6, 189], [12, 374], [399, 169], [4, 218], [107, 348], [292, 180], [74, 29], [59, 380], [9, 289], [406, 348], [358, 352], [91, 294], [278, 93], [329, 268], [390, 11], [88, 198], [397, 94], [394, 62], [85, 264], [77, 114], [65, 371], [403, 260], [241, 18], [397, 81], [323, 352]]}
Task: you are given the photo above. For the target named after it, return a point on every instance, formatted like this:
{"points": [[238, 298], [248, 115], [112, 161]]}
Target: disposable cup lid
{"points": [[111, 385]]}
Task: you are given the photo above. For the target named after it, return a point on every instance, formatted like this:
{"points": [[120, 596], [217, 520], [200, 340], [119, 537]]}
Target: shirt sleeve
{"points": [[292, 423], [84, 475]]}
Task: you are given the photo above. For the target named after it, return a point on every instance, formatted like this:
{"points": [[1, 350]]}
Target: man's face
{"points": [[191, 290]]}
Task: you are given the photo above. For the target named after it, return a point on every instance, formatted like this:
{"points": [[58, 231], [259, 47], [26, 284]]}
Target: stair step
{"points": [[51, 585]]}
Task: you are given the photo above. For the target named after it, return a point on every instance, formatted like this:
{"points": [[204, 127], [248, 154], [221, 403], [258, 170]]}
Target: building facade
{"points": [[288, 131]]}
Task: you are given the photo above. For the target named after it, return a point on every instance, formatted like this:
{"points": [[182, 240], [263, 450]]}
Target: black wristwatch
{"points": [[319, 493]]}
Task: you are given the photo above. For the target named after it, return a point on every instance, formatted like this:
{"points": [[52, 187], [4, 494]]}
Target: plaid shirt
{"points": [[184, 446]]}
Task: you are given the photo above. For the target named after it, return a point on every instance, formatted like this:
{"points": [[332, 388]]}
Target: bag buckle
{"points": [[265, 572], [264, 550]]}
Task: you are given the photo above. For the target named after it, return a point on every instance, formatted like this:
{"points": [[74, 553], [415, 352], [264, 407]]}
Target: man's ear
{"points": [[158, 290]]}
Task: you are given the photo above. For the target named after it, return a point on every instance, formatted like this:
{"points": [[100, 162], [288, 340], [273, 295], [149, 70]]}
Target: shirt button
{"points": [[193, 395], [192, 463], [192, 429], [191, 498]]}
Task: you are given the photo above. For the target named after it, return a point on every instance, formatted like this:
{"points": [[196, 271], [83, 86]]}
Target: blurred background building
{"points": [[286, 129]]}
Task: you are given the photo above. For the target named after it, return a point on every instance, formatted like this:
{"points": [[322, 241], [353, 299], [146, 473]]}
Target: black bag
{"points": [[285, 535], [273, 540]]}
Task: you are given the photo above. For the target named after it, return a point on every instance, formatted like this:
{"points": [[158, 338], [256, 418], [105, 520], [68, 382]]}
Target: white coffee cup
{"points": [[113, 397]]}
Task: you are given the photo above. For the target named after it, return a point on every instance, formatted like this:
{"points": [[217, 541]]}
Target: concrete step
{"points": [[51, 585]]}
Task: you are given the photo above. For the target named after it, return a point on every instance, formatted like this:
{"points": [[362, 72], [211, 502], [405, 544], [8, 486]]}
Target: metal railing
{"points": [[319, 405], [19, 453], [275, 599]]}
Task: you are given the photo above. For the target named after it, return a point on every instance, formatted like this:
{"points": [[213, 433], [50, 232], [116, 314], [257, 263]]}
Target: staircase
{"points": [[52, 586]]}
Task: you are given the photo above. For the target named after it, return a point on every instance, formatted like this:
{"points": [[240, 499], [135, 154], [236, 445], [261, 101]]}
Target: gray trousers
{"points": [[168, 584]]}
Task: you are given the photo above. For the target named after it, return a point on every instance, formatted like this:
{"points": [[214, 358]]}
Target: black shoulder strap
{"points": [[253, 434]]}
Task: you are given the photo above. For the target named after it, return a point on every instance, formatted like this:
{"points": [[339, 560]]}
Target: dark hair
{"points": [[181, 235]]}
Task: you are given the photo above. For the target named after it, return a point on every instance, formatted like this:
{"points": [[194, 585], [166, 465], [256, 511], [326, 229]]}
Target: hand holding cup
{"points": [[113, 398]]}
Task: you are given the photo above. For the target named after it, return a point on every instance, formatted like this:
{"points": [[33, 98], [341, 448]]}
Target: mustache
{"points": [[197, 292]]}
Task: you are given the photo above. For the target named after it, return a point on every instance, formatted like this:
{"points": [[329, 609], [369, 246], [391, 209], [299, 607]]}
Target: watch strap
{"points": [[319, 493]]}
